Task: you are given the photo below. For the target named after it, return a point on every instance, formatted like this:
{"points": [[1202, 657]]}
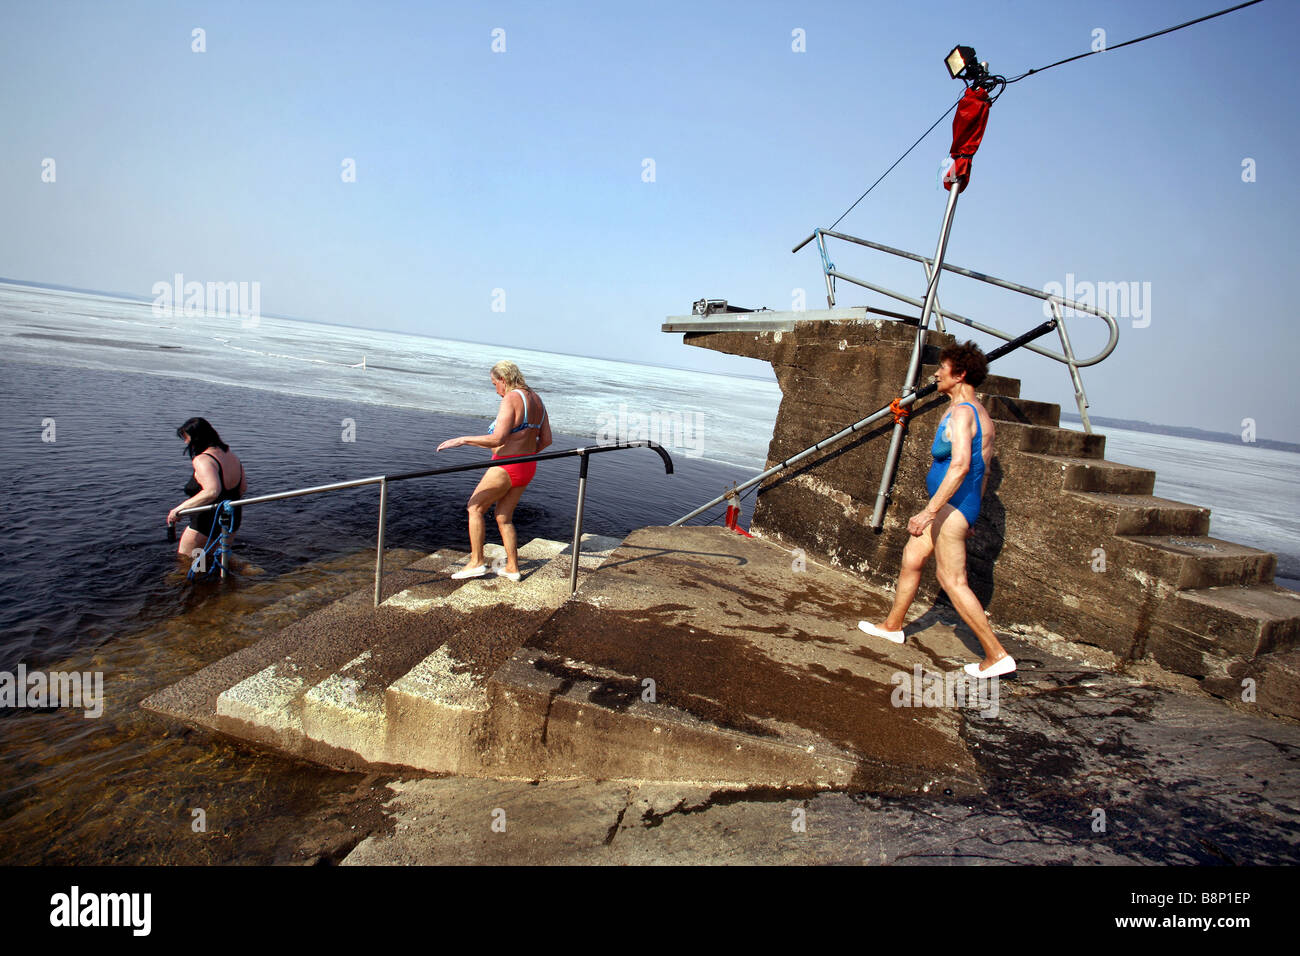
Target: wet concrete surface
{"points": [[737, 635], [1086, 762]]}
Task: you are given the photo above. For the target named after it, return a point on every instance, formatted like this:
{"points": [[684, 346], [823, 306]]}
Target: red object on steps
{"points": [[733, 515]]}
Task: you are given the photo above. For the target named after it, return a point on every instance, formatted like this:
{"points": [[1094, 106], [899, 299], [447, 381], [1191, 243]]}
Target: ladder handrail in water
{"points": [[383, 480]]}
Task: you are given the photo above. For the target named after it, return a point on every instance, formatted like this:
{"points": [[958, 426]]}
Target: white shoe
{"points": [[1003, 667], [510, 575], [895, 636], [468, 572]]}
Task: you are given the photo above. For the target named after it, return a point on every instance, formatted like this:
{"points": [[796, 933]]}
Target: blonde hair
{"points": [[508, 372]]}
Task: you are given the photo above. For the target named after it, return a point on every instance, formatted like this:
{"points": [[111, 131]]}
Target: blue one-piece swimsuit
{"points": [[967, 497]]}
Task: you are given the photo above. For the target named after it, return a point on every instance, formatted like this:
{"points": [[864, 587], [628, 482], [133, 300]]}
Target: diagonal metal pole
{"points": [[931, 291]]}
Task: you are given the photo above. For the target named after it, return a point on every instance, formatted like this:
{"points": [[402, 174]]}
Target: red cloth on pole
{"points": [[967, 134]]}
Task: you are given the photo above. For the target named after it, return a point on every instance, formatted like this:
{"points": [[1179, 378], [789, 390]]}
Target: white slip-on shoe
{"points": [[510, 575], [467, 572], [895, 636], [1000, 669]]}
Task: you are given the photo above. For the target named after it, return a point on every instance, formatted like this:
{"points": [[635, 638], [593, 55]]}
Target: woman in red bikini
{"points": [[521, 428]]}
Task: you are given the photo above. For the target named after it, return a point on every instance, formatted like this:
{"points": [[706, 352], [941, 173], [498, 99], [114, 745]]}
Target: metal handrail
{"points": [[1065, 356], [383, 480]]}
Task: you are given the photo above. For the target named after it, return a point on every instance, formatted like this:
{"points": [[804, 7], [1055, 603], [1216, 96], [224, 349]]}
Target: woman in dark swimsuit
{"points": [[521, 429], [214, 467]]}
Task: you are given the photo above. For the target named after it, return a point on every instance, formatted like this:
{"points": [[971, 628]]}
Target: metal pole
{"points": [[826, 270], [223, 541], [938, 309], [812, 449], [896, 440], [577, 525], [1080, 398], [379, 541]]}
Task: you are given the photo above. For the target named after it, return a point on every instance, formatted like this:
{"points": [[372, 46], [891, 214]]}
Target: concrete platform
{"points": [[698, 655], [689, 655], [1085, 764]]}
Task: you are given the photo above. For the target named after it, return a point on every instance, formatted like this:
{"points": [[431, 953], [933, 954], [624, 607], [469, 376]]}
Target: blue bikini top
{"points": [[518, 428]]}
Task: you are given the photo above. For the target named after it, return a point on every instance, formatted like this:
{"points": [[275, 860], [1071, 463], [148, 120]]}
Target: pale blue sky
{"points": [[522, 170]]}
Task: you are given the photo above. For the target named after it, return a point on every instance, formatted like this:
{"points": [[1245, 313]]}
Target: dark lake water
{"points": [[88, 582]]}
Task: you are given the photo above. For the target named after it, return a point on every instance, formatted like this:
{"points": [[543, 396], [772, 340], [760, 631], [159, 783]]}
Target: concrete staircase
{"points": [[349, 684], [648, 673], [1068, 544], [1221, 618]]}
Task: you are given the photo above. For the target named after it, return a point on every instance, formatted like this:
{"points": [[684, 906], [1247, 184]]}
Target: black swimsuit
{"points": [[202, 522]]}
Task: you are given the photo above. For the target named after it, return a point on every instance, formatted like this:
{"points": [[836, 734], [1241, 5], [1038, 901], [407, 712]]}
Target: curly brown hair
{"points": [[966, 357]]}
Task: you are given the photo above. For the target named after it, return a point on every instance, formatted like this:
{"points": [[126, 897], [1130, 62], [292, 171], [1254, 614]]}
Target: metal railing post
{"points": [[379, 540], [223, 539], [1080, 397], [827, 269], [909, 385], [577, 525], [938, 309]]}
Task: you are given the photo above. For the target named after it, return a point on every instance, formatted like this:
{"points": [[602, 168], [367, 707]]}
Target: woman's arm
{"points": [[205, 473], [507, 419]]}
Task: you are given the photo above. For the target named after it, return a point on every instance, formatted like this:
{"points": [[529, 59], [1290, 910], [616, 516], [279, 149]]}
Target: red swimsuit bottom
{"points": [[520, 475]]}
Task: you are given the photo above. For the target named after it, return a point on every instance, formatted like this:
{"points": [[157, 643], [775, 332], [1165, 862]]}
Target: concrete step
{"points": [[268, 705], [1270, 682], [1045, 440], [1004, 408], [193, 699], [1203, 562], [1242, 621], [437, 711], [1145, 514], [346, 710], [561, 719], [1097, 474], [995, 385]]}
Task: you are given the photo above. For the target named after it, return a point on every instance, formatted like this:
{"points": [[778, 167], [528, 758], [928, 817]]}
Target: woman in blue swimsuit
{"points": [[962, 450]]}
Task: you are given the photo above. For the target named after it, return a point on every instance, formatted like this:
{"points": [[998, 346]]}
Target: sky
{"points": [[564, 176]]}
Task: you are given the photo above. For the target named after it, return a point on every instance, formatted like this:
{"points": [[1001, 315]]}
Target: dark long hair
{"points": [[202, 437]]}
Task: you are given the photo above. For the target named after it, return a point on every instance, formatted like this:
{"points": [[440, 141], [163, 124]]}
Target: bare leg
{"points": [[915, 554], [190, 539], [950, 566], [492, 487], [506, 525]]}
